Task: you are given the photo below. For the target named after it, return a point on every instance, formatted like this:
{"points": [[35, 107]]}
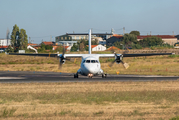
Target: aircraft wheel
{"points": [[75, 75], [105, 75], [102, 75]]}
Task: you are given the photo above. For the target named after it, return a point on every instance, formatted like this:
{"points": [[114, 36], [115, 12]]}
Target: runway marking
{"points": [[6, 78]]}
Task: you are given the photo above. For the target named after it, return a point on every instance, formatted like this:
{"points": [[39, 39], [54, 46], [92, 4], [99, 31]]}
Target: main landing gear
{"points": [[76, 75], [104, 75]]}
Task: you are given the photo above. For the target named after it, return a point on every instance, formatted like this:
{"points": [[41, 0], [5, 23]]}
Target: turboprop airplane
{"points": [[90, 65]]}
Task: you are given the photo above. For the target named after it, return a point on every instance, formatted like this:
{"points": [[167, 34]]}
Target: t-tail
{"points": [[89, 41]]}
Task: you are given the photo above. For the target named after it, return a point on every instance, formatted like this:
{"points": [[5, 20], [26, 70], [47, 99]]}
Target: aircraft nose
{"points": [[92, 69]]}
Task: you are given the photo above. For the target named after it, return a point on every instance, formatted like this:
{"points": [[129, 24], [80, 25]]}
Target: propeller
{"points": [[63, 59], [118, 59]]}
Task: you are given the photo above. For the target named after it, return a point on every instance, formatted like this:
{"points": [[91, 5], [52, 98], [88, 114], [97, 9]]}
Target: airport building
{"points": [[79, 36], [4, 43]]}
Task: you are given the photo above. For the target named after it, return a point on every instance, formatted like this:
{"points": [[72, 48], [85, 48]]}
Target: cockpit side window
{"points": [[92, 61], [87, 61]]}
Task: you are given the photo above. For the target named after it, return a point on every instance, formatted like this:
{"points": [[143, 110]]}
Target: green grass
{"points": [[94, 97], [175, 118], [173, 56], [7, 112]]}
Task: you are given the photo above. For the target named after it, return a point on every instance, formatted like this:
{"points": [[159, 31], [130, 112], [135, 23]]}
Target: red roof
{"points": [[48, 43], [92, 46], [3, 46], [117, 36], [113, 48], [31, 44], [55, 47], [160, 36]]}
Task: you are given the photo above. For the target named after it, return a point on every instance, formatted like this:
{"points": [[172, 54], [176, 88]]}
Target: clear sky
{"points": [[44, 18]]}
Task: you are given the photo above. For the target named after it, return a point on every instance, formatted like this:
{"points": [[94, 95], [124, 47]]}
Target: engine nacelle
{"points": [[62, 61], [118, 59]]}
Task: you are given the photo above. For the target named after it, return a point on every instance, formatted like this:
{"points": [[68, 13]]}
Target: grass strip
{"points": [[93, 97]]}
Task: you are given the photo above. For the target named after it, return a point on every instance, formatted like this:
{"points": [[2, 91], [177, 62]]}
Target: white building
{"points": [[5, 42], [98, 48], [66, 43]]}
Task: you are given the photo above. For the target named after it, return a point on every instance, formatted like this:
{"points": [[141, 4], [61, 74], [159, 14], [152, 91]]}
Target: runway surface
{"points": [[23, 77]]}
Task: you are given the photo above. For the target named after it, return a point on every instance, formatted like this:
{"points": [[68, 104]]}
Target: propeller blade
{"points": [[59, 65], [111, 64], [62, 58], [125, 64]]}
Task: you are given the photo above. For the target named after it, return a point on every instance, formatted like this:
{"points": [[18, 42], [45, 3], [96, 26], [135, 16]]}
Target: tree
{"points": [[137, 33], [74, 47], [18, 39], [119, 44], [48, 47], [9, 49], [94, 42], [22, 40], [82, 47], [128, 40], [14, 37], [59, 49], [151, 41]]}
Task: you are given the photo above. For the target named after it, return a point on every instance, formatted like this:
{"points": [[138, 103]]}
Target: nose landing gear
{"points": [[104, 75], [76, 75], [90, 75]]}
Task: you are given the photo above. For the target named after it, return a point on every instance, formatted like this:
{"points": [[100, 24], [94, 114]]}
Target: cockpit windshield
{"points": [[93, 61], [90, 61], [87, 61]]}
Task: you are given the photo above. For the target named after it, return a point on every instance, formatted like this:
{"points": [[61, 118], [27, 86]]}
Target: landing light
{"points": [[90, 75]]}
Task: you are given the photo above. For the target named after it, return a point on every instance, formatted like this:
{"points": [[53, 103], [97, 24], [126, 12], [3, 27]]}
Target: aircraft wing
{"points": [[35, 54], [133, 55], [49, 55], [146, 54], [83, 55]]}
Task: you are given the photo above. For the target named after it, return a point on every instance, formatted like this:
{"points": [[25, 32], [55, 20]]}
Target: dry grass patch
{"points": [[94, 100], [154, 65]]}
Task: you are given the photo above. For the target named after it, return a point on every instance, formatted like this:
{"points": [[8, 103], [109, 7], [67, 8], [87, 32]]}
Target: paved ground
{"points": [[21, 76]]}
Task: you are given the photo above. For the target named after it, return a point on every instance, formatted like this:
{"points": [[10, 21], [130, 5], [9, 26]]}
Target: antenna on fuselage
{"points": [[89, 41]]}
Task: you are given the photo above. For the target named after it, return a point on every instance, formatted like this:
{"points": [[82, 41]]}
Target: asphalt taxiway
{"points": [[27, 76]]}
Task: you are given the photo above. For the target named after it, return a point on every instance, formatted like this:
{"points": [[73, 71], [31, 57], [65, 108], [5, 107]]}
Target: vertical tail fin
{"points": [[89, 41]]}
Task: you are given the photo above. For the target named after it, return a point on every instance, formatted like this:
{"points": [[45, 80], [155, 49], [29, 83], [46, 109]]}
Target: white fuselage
{"points": [[90, 66]]}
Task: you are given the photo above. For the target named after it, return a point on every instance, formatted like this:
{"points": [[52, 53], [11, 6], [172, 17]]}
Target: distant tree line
{"points": [[130, 41], [19, 40]]}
